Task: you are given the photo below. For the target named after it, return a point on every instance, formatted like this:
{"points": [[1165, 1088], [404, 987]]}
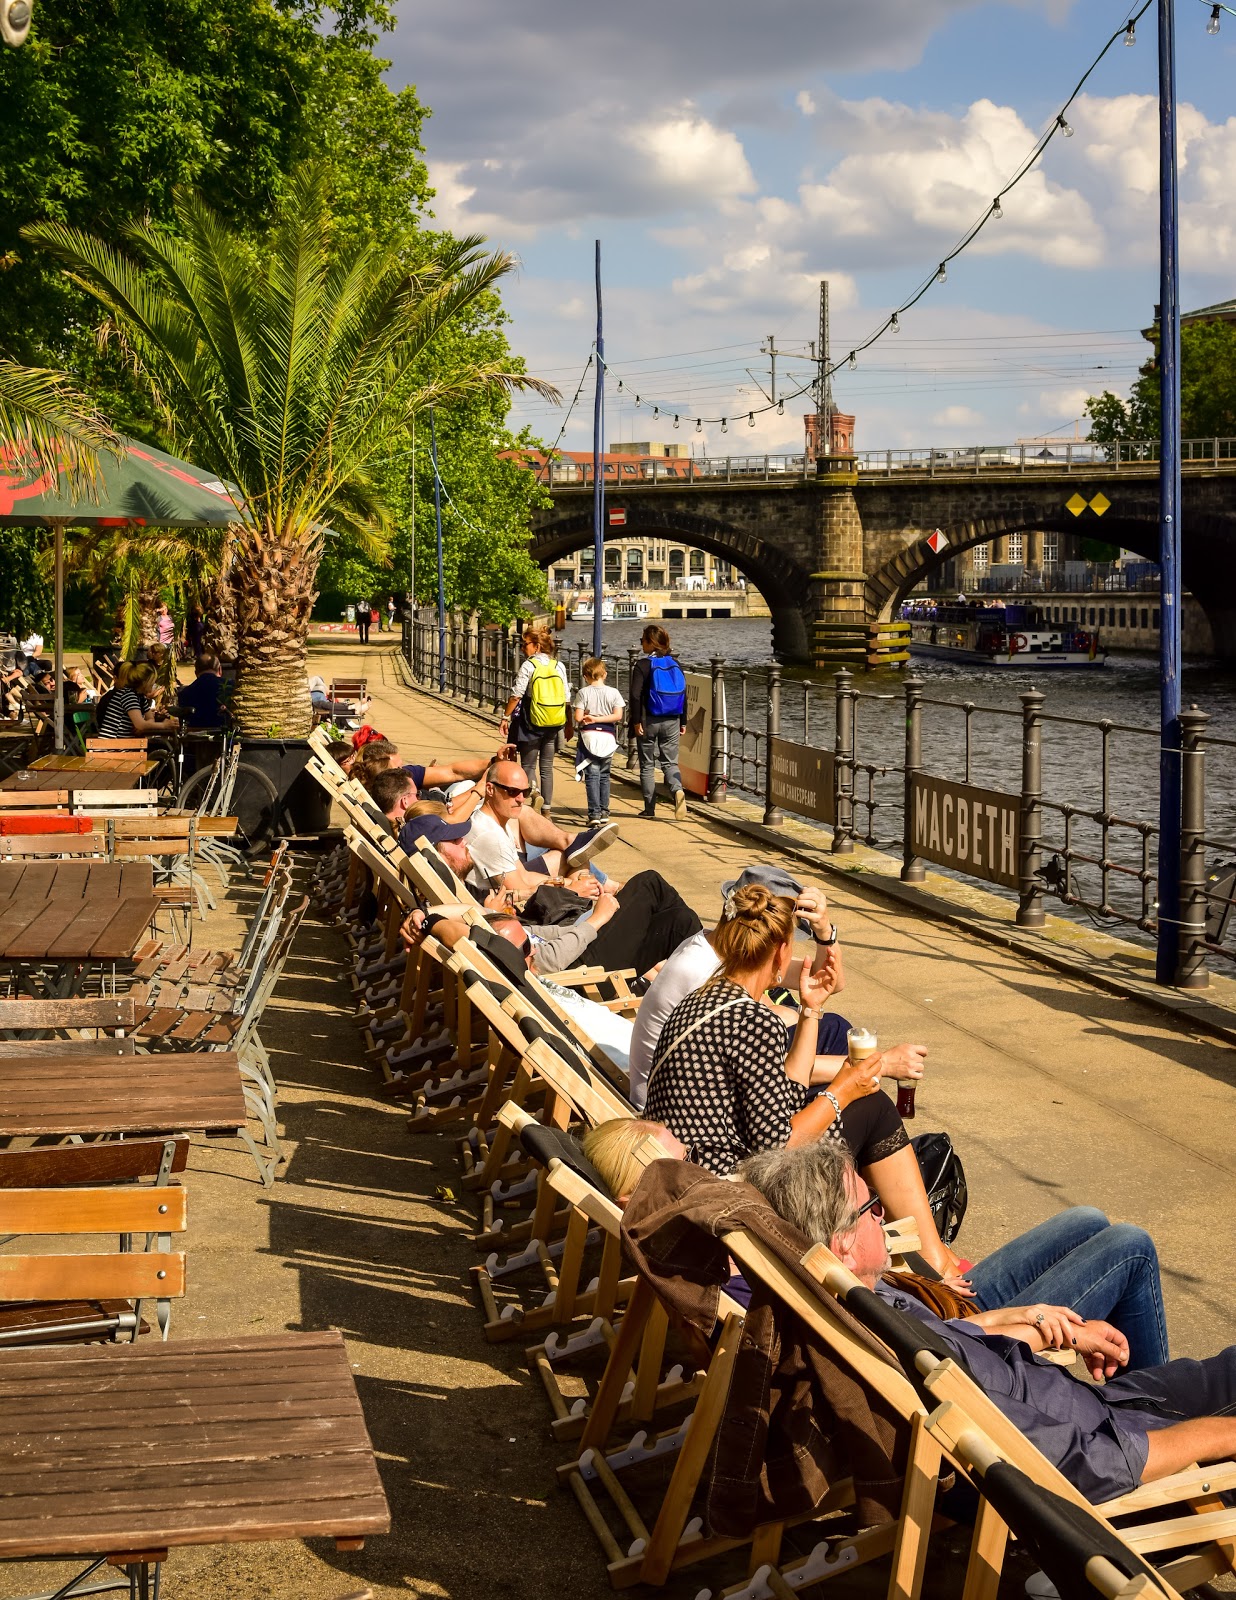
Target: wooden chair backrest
{"points": [[111, 1161], [114, 1275], [115, 802], [49, 800], [592, 1098], [381, 867], [116, 746], [152, 827], [116, 1011], [349, 687], [53, 844], [438, 882]]}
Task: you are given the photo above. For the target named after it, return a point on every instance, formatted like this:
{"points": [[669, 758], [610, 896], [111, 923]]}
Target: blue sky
{"points": [[728, 155]]}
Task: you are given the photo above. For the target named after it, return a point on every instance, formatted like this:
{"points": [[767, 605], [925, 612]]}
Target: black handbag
{"points": [[944, 1178]]}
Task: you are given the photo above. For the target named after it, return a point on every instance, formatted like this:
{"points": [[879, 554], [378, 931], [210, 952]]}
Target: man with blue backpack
{"points": [[658, 713]]}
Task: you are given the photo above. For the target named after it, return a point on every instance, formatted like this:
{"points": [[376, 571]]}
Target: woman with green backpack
{"points": [[539, 710], [658, 711]]}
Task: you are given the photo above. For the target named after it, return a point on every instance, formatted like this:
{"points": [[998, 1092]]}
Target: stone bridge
{"points": [[840, 548]]}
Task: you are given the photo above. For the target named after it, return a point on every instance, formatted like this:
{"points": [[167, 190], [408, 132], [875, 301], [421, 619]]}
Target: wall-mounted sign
{"points": [[803, 780], [975, 831]]}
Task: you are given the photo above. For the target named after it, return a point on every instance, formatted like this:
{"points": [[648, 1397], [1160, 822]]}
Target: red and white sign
{"points": [[936, 542], [617, 517]]}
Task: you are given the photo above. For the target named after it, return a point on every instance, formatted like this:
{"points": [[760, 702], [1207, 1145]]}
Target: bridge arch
{"points": [[779, 578]]}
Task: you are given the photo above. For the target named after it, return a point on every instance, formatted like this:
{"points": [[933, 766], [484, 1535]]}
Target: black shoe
{"points": [[649, 811]]}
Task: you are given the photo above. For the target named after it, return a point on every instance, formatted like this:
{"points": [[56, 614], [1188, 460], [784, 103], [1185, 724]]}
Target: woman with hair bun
{"points": [[538, 710], [725, 1080]]}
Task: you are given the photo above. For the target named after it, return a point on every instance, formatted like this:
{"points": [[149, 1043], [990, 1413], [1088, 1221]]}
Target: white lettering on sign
{"points": [[975, 831]]}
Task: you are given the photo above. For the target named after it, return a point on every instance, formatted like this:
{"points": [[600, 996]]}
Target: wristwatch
{"points": [[833, 936]]}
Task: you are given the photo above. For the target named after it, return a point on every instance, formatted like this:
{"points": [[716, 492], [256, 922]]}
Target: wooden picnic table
{"points": [[130, 1450], [75, 778], [122, 761], [89, 879], [103, 922], [88, 1093]]}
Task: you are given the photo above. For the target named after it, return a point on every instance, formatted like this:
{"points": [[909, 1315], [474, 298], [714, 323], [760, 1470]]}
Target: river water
{"points": [[1125, 690]]}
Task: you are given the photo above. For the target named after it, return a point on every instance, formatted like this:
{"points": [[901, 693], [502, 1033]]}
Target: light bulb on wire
{"points": [[675, 419], [894, 323], [1065, 127], [1213, 25], [1130, 33], [751, 419], [725, 427], [997, 210], [780, 408], [853, 361], [699, 424], [942, 273]]}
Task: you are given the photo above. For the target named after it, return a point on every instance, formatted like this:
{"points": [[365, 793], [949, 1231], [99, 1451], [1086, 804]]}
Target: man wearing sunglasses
{"points": [[514, 847]]}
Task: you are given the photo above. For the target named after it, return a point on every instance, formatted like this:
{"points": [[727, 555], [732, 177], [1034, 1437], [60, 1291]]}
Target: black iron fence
{"points": [[1040, 806]]}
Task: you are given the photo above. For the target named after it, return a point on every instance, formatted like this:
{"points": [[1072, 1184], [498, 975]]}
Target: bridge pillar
{"points": [[838, 589]]}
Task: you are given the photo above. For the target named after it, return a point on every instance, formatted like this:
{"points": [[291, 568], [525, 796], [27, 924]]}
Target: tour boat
{"points": [[999, 636], [583, 610], [628, 609]]}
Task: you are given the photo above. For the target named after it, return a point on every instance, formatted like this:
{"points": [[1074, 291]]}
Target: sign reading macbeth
{"points": [[975, 831], [802, 780]]}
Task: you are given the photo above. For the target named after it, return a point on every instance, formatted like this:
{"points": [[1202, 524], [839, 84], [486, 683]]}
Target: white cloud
{"points": [[805, 103], [957, 417], [1057, 403]]}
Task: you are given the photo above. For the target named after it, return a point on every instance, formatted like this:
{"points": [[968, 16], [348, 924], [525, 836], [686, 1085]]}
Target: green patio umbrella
{"points": [[142, 488]]}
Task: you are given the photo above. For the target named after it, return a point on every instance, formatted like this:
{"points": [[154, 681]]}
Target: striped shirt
{"points": [[114, 723]]}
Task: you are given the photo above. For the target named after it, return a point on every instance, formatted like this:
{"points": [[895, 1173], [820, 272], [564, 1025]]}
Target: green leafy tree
{"points": [[288, 377], [1207, 391]]}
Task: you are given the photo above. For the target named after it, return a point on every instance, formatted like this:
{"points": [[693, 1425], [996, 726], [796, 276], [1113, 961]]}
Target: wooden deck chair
{"points": [[1206, 1528], [116, 747], [51, 1296]]}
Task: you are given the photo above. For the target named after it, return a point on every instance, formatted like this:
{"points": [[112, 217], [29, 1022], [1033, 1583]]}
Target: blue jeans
{"points": [[658, 747], [1103, 1270], [596, 781]]}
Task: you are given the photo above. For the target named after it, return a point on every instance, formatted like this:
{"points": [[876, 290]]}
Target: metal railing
{"points": [[1069, 780]]}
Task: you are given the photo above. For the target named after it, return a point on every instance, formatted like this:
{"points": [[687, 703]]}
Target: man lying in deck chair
{"points": [[1139, 1426], [516, 848]]}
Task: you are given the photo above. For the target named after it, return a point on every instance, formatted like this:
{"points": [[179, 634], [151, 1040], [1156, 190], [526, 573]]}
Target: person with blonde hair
{"points": [[621, 1148], [128, 711], [598, 715], [538, 709], [723, 1080]]}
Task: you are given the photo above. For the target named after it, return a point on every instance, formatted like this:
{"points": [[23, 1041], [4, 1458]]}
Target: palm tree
{"points": [[286, 373], [48, 429]]}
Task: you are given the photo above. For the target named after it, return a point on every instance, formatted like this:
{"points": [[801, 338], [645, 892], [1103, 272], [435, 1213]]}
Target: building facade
{"points": [[646, 564]]}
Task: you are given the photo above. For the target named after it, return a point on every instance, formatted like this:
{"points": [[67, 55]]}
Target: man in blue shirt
{"points": [[200, 699], [1136, 1427]]}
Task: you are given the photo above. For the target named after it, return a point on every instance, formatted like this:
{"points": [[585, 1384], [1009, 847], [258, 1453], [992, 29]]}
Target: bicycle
{"points": [[232, 787]]}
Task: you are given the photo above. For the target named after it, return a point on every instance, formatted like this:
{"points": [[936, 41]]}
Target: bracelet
{"points": [[834, 1128], [833, 936], [814, 1012]]}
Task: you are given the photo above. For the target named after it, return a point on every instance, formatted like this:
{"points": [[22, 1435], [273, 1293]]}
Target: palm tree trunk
{"points": [[273, 577], [218, 603]]}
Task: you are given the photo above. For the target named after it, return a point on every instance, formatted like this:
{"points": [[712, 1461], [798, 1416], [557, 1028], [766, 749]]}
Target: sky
{"points": [[729, 154]]}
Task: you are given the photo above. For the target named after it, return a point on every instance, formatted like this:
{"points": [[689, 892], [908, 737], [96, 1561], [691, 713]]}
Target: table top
{"points": [[125, 1448], [122, 761], [180, 1092], [75, 778], [75, 910]]}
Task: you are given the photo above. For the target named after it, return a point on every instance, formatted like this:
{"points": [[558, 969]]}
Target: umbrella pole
{"points": [[58, 527]]}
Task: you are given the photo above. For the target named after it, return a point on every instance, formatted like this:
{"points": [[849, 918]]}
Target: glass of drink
{"points": [[860, 1044], [905, 1098]]}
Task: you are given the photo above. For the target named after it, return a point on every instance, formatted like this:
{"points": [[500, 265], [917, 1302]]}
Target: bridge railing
{"points": [[1050, 809], [619, 475]]}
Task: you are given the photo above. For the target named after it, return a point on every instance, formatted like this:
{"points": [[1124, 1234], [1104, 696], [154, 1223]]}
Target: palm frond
{"points": [[50, 431]]}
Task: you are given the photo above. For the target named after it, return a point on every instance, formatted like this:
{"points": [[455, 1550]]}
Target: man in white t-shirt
{"points": [[695, 961], [515, 848]]}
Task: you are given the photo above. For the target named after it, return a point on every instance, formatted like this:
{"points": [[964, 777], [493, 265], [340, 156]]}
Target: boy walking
{"points": [[598, 713]]}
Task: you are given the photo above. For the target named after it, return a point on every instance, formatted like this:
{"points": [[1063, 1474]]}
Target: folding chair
{"points": [[114, 802], [27, 1025], [27, 801], [116, 747]]}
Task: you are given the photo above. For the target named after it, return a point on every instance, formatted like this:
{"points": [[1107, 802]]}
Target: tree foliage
{"points": [[1207, 391]]}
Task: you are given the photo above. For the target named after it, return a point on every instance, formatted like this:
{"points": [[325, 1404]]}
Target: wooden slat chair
{"points": [[1202, 1525], [349, 689], [116, 747], [48, 802], [66, 847], [170, 845], [50, 1296], [67, 1025], [106, 803]]}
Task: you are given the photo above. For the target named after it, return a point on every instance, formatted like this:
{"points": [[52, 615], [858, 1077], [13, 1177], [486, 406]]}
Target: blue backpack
{"points": [[667, 688]]}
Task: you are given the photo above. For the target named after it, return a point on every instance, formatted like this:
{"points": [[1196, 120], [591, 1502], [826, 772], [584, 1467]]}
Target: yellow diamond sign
{"points": [[1076, 505], [1099, 504]]}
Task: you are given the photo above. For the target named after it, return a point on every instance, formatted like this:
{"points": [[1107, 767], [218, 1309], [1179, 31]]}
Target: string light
{"points": [[1127, 31], [751, 419], [1213, 25]]}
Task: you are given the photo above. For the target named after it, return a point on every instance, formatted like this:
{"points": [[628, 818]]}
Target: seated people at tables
{"points": [[695, 961], [727, 1082], [514, 847], [201, 698], [321, 701], [1141, 1424], [127, 711], [632, 929]]}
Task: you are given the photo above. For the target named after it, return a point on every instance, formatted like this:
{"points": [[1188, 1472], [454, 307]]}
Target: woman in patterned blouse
{"points": [[725, 1080]]}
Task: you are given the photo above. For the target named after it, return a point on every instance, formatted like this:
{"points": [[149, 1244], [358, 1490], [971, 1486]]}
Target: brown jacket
{"points": [[796, 1419]]}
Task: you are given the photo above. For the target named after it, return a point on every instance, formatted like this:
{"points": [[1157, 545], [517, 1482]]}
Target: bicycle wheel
{"points": [[191, 793], [257, 808]]}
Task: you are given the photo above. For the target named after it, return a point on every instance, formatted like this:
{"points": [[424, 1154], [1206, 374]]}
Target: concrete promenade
{"points": [[1055, 1093]]}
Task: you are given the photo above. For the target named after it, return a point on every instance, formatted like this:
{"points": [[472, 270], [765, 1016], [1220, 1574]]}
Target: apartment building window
{"points": [[982, 557], [1092, 616], [1016, 548], [1145, 618], [1123, 615], [698, 560], [1051, 549]]}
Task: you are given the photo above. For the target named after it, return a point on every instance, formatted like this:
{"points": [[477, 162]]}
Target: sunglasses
{"points": [[876, 1207], [507, 788]]}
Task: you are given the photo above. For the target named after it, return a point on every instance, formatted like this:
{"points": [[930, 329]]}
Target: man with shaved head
{"points": [[514, 847]]}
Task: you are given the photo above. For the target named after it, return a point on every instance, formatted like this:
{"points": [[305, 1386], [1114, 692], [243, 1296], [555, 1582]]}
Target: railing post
{"points": [[774, 817], [912, 868], [717, 774], [1191, 970], [1030, 912], [843, 796], [633, 712]]}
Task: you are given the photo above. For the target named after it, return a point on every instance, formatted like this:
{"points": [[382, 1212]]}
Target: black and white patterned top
{"points": [[723, 1091]]}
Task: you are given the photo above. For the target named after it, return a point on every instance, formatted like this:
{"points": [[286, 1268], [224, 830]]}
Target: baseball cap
{"points": [[775, 879], [431, 830]]}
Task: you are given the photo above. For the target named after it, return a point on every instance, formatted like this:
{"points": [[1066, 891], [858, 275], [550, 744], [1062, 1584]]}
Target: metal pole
{"points": [[912, 868], [411, 596], [598, 477], [716, 756], [1169, 507], [843, 798], [774, 817], [1191, 933], [437, 514], [58, 536], [1030, 912]]}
